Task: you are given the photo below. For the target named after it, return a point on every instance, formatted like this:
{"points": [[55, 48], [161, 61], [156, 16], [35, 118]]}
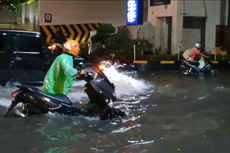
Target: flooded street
{"points": [[168, 113]]}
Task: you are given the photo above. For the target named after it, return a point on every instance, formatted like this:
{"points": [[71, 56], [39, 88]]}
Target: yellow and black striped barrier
{"points": [[78, 32]]}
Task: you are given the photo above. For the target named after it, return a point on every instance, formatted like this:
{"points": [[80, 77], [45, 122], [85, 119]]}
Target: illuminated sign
{"points": [[134, 13], [159, 2]]}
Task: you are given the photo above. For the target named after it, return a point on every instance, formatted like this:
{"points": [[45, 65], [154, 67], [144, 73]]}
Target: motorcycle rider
{"points": [[101, 53], [58, 38], [60, 76], [190, 55]]}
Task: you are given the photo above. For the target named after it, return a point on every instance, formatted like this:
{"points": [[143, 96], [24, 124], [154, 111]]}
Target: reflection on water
{"points": [[184, 114]]}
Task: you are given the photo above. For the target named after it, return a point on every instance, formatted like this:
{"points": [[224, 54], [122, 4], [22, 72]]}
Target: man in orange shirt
{"points": [[196, 52]]}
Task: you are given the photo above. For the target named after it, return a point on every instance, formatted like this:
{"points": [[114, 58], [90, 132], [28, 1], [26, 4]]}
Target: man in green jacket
{"points": [[61, 75]]}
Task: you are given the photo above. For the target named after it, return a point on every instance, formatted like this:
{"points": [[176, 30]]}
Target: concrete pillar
{"points": [[177, 28], [23, 13]]}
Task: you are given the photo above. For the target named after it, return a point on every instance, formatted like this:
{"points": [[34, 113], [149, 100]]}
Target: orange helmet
{"points": [[72, 47]]}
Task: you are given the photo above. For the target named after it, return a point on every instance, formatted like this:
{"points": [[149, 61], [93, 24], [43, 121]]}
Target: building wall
{"points": [[6, 15], [80, 12], [215, 11], [157, 26], [30, 12]]}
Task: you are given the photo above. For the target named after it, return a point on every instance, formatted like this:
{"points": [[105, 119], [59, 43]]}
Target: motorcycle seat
{"points": [[62, 98], [191, 63]]}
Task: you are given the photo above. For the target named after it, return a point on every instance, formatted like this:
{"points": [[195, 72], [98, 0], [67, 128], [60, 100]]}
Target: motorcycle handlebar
{"points": [[88, 75]]}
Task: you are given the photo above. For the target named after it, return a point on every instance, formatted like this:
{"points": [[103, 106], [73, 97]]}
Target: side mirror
{"points": [[89, 77]]}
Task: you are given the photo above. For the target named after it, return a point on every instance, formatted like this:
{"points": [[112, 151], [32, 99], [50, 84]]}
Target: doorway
{"points": [[193, 31], [165, 34]]}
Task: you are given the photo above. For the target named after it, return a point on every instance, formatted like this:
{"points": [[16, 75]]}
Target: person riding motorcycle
{"points": [[58, 39], [60, 76], [59, 36], [190, 55], [101, 53]]}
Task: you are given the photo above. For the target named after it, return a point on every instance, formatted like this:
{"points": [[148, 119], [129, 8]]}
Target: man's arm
{"points": [[202, 55], [68, 69]]}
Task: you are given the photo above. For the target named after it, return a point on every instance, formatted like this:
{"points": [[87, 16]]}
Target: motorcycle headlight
{"points": [[101, 66], [53, 46]]}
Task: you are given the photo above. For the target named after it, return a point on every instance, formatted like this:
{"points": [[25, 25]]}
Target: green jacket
{"points": [[60, 77]]}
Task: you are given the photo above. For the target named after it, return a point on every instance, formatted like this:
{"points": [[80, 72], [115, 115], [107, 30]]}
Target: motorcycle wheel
{"points": [[184, 70], [19, 113], [211, 71], [215, 71]]}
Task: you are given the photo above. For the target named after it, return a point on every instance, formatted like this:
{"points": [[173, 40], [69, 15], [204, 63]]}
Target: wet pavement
{"points": [[188, 114]]}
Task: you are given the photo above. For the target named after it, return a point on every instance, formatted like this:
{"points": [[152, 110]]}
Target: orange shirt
{"points": [[194, 52]]}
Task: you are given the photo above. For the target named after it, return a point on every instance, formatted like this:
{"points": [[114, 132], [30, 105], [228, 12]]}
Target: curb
{"points": [[170, 62], [140, 62], [172, 65]]}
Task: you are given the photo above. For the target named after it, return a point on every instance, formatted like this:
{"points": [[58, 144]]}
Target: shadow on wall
{"points": [[147, 30]]}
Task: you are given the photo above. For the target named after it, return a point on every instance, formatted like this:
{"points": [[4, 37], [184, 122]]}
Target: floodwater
{"points": [[168, 113]]}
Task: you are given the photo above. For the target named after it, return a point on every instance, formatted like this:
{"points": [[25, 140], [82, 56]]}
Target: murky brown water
{"points": [[184, 114]]}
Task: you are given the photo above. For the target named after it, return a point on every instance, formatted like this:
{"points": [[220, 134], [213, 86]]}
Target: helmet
{"points": [[197, 45], [112, 55], [72, 47]]}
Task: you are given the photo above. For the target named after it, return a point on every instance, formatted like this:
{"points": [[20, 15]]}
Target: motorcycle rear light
{"points": [[13, 94]]}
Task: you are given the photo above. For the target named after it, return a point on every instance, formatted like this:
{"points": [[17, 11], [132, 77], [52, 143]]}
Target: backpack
{"points": [[186, 54]]}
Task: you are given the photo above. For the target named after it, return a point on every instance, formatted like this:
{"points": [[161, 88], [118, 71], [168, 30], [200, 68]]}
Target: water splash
{"points": [[220, 88], [126, 85], [5, 99]]}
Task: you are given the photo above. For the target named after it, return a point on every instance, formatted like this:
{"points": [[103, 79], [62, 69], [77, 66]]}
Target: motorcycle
{"points": [[124, 68], [99, 89], [55, 48], [200, 67]]}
